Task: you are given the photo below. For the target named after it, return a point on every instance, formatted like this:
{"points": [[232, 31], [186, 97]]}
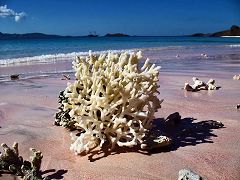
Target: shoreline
{"points": [[231, 36], [51, 51]]}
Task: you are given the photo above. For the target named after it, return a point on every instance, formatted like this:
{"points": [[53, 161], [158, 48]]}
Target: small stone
{"points": [[173, 119], [238, 106], [236, 77], [187, 174], [188, 87], [14, 76], [210, 124], [65, 77]]}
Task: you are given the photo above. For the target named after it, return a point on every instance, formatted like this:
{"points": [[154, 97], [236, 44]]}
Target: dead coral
{"points": [[12, 162], [10, 159], [113, 100], [200, 85], [236, 77], [62, 118]]}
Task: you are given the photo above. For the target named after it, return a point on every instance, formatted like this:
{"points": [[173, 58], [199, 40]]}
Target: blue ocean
{"points": [[47, 50]]}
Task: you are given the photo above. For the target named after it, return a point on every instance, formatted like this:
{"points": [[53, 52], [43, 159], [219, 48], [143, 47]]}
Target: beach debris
{"points": [[65, 77], [202, 127], [31, 170], [210, 124], [112, 101], [173, 119], [14, 76], [10, 159], [62, 118], [211, 85], [12, 162], [236, 77], [204, 55], [154, 142], [188, 87], [187, 174], [238, 106], [200, 85]]}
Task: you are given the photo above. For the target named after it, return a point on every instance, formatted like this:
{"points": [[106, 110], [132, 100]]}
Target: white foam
{"points": [[51, 58], [3, 103], [231, 36], [234, 45]]}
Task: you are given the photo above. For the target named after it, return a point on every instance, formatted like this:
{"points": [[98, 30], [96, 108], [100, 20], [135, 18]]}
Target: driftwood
{"points": [[65, 77]]}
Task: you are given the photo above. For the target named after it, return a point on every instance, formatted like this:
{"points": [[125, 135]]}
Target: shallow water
{"points": [[52, 50]]}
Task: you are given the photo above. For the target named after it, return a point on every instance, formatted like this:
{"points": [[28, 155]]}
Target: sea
{"points": [[161, 50], [17, 51]]}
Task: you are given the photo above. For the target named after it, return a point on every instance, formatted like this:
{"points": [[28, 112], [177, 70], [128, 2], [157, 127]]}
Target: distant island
{"points": [[233, 31], [7, 36], [93, 34], [116, 35]]}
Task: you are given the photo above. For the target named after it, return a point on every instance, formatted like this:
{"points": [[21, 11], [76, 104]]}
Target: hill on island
{"points": [[7, 36], [233, 31], [28, 36]]}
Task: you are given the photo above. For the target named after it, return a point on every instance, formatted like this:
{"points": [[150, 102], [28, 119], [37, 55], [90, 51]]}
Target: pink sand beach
{"points": [[28, 105]]}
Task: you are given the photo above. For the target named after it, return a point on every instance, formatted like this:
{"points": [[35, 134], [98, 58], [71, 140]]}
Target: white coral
{"points": [[236, 77], [113, 100], [200, 85]]}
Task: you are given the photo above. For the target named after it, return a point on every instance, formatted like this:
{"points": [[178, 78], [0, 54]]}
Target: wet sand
{"points": [[27, 107]]}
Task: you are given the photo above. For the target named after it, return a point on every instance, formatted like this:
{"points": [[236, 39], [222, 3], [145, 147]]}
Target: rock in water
{"points": [[173, 119], [186, 174]]}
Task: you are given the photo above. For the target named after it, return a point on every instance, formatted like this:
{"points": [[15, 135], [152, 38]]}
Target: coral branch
{"points": [[113, 100], [200, 85], [11, 161]]}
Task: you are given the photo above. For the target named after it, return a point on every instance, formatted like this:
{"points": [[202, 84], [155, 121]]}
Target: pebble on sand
{"points": [[236, 77], [14, 76], [187, 174]]}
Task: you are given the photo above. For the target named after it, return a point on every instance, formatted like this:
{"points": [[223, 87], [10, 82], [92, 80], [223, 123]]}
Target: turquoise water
{"points": [[66, 48]]}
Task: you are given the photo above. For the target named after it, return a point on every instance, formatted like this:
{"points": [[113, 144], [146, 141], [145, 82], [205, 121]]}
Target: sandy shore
{"points": [[27, 107]]}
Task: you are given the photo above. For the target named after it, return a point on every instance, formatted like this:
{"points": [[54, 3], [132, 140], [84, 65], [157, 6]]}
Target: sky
{"points": [[133, 17]]}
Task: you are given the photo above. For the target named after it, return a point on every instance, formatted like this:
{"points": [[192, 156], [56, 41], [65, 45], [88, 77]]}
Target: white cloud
{"points": [[5, 12]]}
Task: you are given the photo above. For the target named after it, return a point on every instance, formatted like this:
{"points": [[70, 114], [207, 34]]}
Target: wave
{"points": [[234, 45], [50, 58]]}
